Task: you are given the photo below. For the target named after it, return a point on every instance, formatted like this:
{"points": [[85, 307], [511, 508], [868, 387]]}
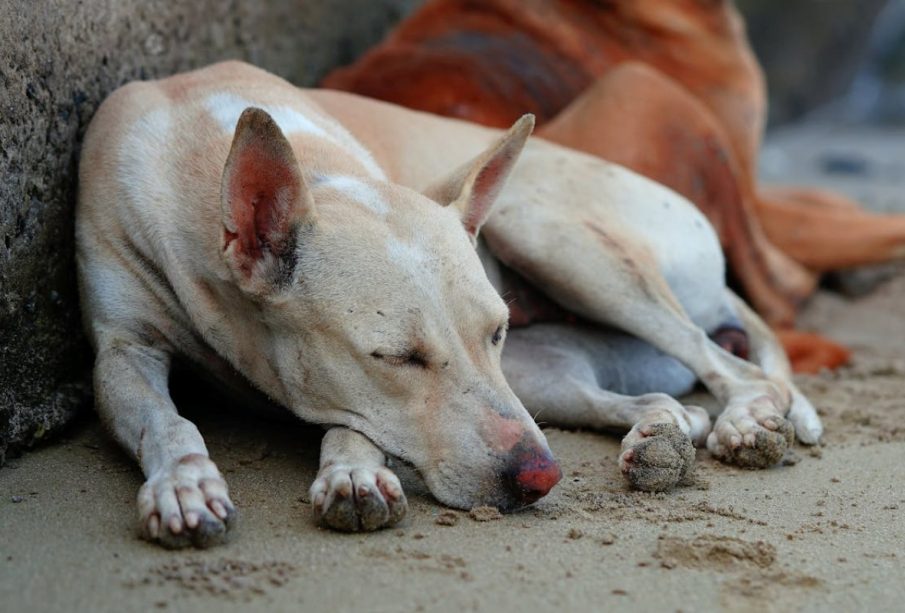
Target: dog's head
{"points": [[379, 315]]}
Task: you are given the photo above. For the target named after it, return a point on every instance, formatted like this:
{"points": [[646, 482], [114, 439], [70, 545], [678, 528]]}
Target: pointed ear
{"points": [[473, 188], [263, 198]]}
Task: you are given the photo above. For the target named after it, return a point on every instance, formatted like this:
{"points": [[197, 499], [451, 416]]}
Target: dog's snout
{"points": [[532, 473]]}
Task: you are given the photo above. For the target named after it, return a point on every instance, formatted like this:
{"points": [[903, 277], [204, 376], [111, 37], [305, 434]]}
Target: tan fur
{"points": [[315, 301]]}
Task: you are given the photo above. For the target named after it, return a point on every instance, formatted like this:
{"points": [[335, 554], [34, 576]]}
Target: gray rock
{"points": [[810, 49], [58, 60]]}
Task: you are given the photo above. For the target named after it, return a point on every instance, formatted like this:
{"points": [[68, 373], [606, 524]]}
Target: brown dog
{"points": [[669, 88]]}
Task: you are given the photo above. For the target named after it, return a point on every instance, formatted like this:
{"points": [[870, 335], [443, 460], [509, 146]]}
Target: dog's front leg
{"points": [[184, 500], [354, 490]]}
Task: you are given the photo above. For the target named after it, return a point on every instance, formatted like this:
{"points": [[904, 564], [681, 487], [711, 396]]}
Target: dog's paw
{"points": [[186, 504], [357, 499], [658, 452], [753, 436], [657, 457]]}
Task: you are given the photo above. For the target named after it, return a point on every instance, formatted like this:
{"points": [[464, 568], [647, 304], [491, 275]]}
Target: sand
{"points": [[824, 530]]}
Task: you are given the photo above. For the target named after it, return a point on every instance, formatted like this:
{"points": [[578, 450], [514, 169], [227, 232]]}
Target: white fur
{"points": [[226, 108], [140, 167], [417, 265], [162, 272], [357, 191]]}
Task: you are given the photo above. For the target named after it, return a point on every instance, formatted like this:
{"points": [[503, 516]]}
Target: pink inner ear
{"points": [[262, 188], [484, 193]]}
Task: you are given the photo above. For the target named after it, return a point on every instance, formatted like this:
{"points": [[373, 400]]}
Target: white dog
{"points": [[292, 240]]}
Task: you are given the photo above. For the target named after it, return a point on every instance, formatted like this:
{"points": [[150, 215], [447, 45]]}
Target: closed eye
{"points": [[409, 358]]}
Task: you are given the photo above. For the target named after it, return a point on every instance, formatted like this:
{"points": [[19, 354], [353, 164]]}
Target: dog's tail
{"points": [[765, 350]]}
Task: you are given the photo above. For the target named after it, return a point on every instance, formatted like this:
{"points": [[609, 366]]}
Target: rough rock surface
{"points": [[58, 60]]}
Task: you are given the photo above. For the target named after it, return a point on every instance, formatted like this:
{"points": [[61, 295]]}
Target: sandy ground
{"points": [[823, 531]]}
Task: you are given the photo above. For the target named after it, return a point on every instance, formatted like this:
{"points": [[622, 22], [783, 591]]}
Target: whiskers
{"points": [[534, 417]]}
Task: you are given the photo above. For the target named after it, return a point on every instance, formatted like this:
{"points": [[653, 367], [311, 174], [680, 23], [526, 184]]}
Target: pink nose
{"points": [[533, 476]]}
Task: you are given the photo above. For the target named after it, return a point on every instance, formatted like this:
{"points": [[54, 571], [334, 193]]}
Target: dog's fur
{"points": [[282, 238], [282, 256]]}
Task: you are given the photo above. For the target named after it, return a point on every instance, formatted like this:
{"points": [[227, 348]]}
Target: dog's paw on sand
{"points": [[186, 504], [358, 499], [657, 457], [751, 437]]}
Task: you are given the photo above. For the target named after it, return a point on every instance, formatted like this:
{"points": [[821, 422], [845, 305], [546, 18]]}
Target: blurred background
{"points": [[848, 54]]}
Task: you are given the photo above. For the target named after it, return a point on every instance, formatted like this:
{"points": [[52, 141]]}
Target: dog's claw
{"points": [[186, 505], [153, 527], [175, 525], [218, 509], [353, 499]]}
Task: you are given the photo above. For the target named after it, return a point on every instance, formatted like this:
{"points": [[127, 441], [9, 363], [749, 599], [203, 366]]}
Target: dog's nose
{"points": [[531, 475]]}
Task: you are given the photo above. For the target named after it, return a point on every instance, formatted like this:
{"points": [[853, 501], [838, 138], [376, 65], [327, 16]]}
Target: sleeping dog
{"points": [[324, 250]]}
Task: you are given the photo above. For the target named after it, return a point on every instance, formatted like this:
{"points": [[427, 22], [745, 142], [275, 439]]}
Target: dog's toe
{"points": [[358, 499], [660, 460]]}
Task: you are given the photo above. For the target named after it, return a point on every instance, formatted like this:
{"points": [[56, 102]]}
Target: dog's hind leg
{"points": [[569, 376], [354, 490], [608, 275], [184, 500]]}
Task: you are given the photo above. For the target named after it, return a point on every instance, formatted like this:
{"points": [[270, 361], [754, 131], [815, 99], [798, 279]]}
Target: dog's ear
{"points": [[474, 187], [264, 200]]}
